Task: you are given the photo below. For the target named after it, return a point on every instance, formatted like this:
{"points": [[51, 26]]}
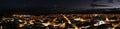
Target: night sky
{"points": [[52, 3]]}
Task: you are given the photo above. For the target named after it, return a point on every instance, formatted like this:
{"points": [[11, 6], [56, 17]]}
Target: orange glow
{"points": [[54, 20], [31, 21], [62, 25], [21, 25], [75, 26], [67, 19]]}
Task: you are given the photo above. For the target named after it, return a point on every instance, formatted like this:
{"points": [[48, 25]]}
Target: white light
{"points": [[101, 22], [77, 19], [20, 21], [57, 25]]}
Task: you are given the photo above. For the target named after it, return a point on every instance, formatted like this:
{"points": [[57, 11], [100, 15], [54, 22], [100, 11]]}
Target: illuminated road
{"points": [[62, 21]]}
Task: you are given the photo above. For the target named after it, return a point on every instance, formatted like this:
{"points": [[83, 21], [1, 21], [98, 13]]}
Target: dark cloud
{"points": [[50, 3]]}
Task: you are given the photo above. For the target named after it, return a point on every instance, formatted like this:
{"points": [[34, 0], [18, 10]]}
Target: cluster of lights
{"points": [[31, 20]]}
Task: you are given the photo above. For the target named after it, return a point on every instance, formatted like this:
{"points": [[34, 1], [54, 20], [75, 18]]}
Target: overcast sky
{"points": [[52, 3]]}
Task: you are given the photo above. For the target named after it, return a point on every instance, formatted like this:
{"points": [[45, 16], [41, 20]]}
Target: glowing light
{"points": [[25, 22], [20, 20], [75, 27], [31, 21], [77, 19], [85, 26], [116, 25], [62, 25], [95, 14], [21, 25], [80, 19], [46, 24], [99, 23], [54, 20], [56, 25], [107, 19], [67, 19]]}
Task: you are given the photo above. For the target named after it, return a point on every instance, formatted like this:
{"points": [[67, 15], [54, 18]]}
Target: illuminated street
{"points": [[61, 21]]}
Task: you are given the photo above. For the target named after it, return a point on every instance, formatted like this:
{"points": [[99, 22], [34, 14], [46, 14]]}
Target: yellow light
{"points": [[46, 24], [62, 25], [21, 25], [67, 19], [31, 22]]}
